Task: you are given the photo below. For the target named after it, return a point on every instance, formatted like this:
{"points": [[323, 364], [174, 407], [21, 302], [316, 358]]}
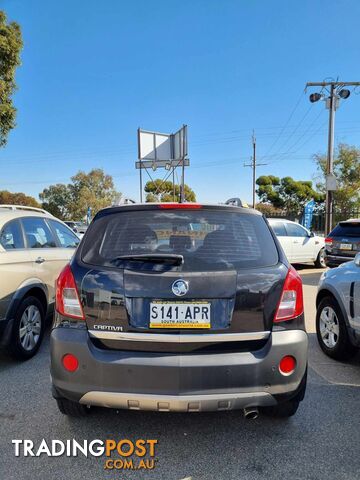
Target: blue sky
{"points": [[94, 71]]}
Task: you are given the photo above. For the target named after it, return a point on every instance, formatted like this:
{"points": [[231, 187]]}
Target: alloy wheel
{"points": [[322, 258], [329, 327], [30, 327]]}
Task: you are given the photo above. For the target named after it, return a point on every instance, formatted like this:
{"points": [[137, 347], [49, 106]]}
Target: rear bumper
{"points": [[335, 260], [173, 382]]}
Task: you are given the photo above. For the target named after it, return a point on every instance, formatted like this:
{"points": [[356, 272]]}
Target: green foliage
{"points": [[19, 198], [160, 191], [70, 202], [94, 189], [55, 199], [286, 194], [268, 180], [347, 172], [10, 47]]}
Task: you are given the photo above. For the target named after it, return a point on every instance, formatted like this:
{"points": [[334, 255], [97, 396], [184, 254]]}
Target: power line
{"points": [[300, 138], [287, 122], [294, 131]]}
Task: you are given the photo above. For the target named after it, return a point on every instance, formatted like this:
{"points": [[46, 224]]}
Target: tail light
{"points": [[67, 297], [291, 303], [328, 241]]}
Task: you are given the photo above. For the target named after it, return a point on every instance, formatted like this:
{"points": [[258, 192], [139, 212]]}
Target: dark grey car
{"points": [[342, 243], [179, 307]]}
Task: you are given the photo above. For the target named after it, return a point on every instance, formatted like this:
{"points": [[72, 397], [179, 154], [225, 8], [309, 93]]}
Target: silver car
{"points": [[338, 310]]}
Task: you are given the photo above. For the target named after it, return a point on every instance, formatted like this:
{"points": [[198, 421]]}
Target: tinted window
{"points": [[66, 238], [38, 234], [279, 229], [11, 236], [295, 230], [208, 239], [346, 230]]}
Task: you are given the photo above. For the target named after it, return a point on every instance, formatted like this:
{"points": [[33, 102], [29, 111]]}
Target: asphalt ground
{"points": [[322, 441]]}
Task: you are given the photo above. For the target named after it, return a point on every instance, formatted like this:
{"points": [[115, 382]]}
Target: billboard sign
{"points": [[159, 149]]}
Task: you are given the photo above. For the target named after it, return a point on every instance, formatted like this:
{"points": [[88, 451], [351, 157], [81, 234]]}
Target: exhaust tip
{"points": [[251, 413]]}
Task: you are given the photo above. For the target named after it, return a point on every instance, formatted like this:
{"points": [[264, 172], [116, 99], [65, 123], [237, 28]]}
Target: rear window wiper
{"points": [[166, 258]]}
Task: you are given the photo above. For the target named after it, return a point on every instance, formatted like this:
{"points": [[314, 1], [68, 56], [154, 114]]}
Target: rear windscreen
{"points": [[207, 239], [346, 230]]}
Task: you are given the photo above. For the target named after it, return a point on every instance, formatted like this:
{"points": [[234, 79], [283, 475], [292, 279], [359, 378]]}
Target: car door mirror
{"points": [[357, 259]]}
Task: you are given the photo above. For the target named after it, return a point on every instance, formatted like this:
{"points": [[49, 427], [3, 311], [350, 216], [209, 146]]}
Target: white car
{"points": [[299, 245]]}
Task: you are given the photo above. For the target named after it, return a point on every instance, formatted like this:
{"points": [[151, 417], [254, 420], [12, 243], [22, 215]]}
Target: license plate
{"points": [[180, 315], [345, 246]]}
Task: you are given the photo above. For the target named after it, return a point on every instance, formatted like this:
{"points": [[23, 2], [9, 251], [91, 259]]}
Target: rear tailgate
{"points": [[234, 280], [345, 239]]}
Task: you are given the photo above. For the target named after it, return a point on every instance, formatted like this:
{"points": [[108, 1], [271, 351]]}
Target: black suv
{"points": [[179, 307], [343, 243]]}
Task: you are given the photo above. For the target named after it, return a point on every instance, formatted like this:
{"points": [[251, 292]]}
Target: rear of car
{"points": [[81, 227], [343, 243], [179, 307]]}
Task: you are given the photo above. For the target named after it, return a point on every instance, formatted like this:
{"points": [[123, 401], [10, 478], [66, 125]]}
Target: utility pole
{"points": [[336, 91], [253, 165], [330, 160]]}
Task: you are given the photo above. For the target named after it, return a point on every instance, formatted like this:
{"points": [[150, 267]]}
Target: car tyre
{"points": [[332, 332], [71, 409], [28, 329], [320, 260]]}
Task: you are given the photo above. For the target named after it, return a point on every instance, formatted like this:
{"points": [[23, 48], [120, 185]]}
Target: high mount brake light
{"points": [[180, 205], [291, 304], [67, 297]]}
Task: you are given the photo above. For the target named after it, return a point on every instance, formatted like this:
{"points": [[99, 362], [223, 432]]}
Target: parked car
{"points": [[342, 243], [77, 227], [150, 318], [81, 227], [299, 244], [338, 310], [34, 247]]}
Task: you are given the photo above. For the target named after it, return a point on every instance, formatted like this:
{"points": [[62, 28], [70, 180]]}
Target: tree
{"points": [[94, 189], [286, 194], [55, 199], [71, 202], [347, 172], [19, 198], [10, 47], [160, 191], [268, 209]]}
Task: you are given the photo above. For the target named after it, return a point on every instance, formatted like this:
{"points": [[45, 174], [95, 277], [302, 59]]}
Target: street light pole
{"points": [[336, 92], [330, 160]]}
